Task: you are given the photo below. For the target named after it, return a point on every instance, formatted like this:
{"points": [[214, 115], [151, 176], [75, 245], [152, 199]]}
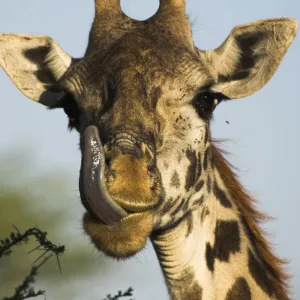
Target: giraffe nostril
{"points": [[110, 155], [151, 168], [108, 160]]}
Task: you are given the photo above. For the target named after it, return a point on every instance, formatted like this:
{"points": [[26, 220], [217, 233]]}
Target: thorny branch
{"points": [[16, 238], [128, 293], [25, 290]]}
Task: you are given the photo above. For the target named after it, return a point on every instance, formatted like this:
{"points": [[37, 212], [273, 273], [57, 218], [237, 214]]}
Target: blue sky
{"points": [[263, 128]]}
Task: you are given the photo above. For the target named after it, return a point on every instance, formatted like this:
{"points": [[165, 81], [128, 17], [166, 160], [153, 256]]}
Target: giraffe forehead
{"points": [[157, 59]]}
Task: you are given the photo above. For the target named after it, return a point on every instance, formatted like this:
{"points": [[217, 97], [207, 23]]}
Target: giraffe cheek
{"points": [[122, 240]]}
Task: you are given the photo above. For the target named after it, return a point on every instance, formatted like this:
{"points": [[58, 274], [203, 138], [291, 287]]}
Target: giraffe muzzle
{"points": [[119, 181]]}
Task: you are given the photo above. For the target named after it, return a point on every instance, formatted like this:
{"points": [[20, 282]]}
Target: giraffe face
{"points": [[151, 116], [141, 99]]}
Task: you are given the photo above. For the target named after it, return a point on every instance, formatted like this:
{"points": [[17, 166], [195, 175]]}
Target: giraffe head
{"points": [[141, 99]]}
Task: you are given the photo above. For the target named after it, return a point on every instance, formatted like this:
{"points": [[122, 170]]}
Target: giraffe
{"points": [[141, 99]]}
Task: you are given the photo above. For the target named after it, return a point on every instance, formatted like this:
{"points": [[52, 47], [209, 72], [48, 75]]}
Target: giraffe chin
{"points": [[123, 239]]}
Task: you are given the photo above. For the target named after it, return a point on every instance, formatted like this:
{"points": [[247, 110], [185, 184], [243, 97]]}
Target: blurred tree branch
{"points": [[120, 294], [17, 238], [25, 290]]}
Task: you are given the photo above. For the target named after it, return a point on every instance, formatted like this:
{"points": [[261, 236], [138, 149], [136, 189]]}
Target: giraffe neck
{"points": [[212, 252]]}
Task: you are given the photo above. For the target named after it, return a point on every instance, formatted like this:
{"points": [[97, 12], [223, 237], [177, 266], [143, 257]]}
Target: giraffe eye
{"points": [[206, 102]]}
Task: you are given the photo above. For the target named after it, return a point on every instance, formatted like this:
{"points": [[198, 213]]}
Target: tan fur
{"points": [[174, 3], [131, 186], [279, 34], [23, 70], [102, 5], [225, 67], [252, 218], [121, 240], [57, 60]]}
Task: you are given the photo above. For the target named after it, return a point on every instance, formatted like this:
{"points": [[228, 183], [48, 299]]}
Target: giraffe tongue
{"points": [[92, 181]]}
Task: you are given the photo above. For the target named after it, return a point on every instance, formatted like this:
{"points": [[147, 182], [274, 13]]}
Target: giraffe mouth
{"points": [[93, 191], [128, 184], [111, 228]]}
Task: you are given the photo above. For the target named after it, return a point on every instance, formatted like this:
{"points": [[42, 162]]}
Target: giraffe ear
{"points": [[34, 64], [249, 57]]}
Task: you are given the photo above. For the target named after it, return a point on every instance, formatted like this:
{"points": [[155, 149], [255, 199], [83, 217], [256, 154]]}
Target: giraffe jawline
{"points": [[111, 229], [122, 240]]}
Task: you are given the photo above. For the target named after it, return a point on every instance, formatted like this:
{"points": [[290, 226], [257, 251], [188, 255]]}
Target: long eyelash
{"points": [[200, 103]]}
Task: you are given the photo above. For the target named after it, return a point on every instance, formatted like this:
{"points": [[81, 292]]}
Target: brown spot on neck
{"points": [[186, 287], [251, 218], [175, 181], [239, 291], [191, 171]]}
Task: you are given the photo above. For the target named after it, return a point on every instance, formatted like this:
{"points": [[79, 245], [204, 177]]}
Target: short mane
{"points": [[252, 219]]}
